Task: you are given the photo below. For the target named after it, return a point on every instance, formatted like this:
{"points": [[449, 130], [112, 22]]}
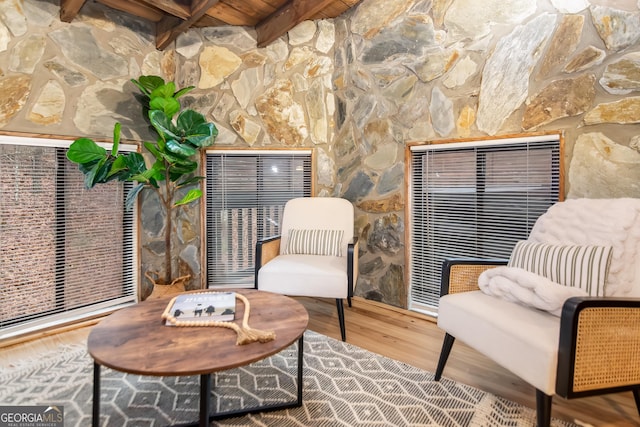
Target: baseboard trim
{"points": [[376, 306]]}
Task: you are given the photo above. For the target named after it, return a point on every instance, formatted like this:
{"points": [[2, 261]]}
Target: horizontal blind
{"points": [[246, 193], [67, 252], [475, 200]]}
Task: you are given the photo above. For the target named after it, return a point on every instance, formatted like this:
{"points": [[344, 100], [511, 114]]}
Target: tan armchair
{"points": [[591, 344], [315, 255]]}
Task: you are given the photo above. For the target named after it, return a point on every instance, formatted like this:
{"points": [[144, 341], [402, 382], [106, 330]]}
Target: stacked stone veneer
{"points": [[357, 88]]}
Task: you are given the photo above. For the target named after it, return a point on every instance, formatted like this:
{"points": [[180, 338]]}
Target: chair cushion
{"points": [[314, 242], [521, 339], [305, 275], [581, 266]]}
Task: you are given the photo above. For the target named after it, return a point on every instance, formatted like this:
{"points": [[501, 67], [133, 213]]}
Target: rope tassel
{"points": [[246, 334]]}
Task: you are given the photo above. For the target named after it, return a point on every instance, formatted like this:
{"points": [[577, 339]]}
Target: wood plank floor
{"points": [[416, 340]]}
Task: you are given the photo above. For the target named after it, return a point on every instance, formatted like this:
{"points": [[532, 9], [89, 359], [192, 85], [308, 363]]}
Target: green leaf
{"points": [[150, 146], [148, 84], [135, 162], [177, 171], [189, 181], [184, 150], [189, 120], [170, 106], [157, 171], [116, 138], [102, 173], [203, 136], [91, 176], [163, 125], [132, 195], [171, 158], [191, 196], [119, 165], [85, 150], [164, 91], [183, 91]]}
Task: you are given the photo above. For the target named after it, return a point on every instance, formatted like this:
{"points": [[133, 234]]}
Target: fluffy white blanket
{"points": [[526, 288], [602, 222]]}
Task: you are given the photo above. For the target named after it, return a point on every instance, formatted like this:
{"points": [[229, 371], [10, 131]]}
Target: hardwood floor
{"points": [[416, 340]]}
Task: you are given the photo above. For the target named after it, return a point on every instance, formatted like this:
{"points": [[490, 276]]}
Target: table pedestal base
{"points": [[205, 398]]}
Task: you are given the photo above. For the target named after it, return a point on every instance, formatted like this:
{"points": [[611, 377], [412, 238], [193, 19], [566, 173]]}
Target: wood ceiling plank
{"points": [[276, 4], [69, 9], [331, 11], [293, 12], [135, 8], [209, 21], [169, 28], [231, 16], [255, 8], [180, 9]]}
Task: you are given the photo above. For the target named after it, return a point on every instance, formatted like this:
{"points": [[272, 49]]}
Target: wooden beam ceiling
{"points": [[270, 18]]}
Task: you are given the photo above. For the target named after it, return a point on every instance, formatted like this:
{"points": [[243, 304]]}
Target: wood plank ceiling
{"points": [[270, 18]]}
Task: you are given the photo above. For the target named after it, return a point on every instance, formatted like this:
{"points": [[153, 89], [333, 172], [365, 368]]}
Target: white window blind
{"points": [[245, 194], [475, 199], [67, 252]]}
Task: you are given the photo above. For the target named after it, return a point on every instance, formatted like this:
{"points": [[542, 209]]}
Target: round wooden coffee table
{"points": [[135, 340]]}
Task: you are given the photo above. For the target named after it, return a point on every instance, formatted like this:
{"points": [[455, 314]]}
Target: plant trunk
{"points": [[168, 208]]}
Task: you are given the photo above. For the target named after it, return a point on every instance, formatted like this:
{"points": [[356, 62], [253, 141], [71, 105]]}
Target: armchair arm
{"points": [[461, 274], [599, 346], [352, 265], [266, 250]]}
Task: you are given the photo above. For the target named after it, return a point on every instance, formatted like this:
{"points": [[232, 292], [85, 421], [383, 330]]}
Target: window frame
{"points": [[58, 316], [481, 144], [310, 153]]}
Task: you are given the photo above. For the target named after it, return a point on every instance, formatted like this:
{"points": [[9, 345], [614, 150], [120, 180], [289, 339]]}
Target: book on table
{"points": [[200, 309]]}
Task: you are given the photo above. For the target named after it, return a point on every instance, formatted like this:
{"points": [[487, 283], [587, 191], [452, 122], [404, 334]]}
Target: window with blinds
{"points": [[245, 194], [67, 252], [475, 199]]}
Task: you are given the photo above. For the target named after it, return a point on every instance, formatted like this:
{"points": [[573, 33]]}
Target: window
{"points": [[475, 199], [67, 252], [245, 194]]}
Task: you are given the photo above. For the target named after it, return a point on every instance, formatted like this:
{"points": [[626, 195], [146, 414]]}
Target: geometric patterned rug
{"points": [[343, 385]]}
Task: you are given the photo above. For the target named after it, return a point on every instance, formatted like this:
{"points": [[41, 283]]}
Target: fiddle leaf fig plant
{"points": [[175, 161]]}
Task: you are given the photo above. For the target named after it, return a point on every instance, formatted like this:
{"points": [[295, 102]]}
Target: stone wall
{"points": [[357, 88]]}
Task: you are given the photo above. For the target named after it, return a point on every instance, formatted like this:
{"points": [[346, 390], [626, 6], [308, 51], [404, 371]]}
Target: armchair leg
{"points": [[543, 409], [349, 301], [636, 396], [444, 354], [340, 306]]}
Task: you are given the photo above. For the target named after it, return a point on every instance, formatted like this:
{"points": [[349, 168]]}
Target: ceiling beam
{"points": [[69, 9], [287, 17], [169, 28]]}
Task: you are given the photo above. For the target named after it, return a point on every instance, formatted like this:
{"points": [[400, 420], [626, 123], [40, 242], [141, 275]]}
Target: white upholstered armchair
{"points": [[563, 313], [316, 253]]}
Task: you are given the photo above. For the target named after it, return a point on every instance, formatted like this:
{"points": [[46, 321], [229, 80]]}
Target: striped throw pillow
{"points": [[315, 242], [584, 267]]}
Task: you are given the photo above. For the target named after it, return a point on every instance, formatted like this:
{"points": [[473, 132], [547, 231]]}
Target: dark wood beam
{"points": [[169, 28], [69, 9], [287, 17]]}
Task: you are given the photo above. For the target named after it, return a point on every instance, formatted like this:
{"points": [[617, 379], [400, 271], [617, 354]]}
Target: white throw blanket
{"points": [[601, 222], [526, 288]]}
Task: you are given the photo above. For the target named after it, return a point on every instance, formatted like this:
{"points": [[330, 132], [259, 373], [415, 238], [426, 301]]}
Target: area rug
{"points": [[344, 385]]}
